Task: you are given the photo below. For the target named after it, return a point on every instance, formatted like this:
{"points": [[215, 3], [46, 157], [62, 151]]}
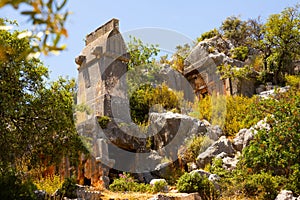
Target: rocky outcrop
{"points": [[243, 138], [222, 146], [173, 128], [214, 132], [271, 91], [125, 135], [201, 68]]}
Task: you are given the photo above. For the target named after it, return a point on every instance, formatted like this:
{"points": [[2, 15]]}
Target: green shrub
{"points": [[263, 185], [207, 35], [235, 109], [103, 121], [146, 97], [194, 182], [195, 146], [240, 53], [48, 184], [14, 187], [126, 183], [216, 167], [276, 151], [68, 188], [159, 186], [293, 81]]}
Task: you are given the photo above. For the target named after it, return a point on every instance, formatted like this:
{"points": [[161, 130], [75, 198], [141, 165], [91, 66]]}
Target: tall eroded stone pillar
{"points": [[102, 88]]}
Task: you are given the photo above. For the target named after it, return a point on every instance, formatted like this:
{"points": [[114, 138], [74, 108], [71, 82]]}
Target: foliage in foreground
{"points": [[36, 121], [126, 183], [13, 186], [194, 182], [276, 151], [271, 162], [49, 184], [195, 146]]}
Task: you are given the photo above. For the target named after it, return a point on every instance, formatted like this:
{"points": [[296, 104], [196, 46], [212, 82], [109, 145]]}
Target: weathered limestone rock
{"points": [[178, 82], [243, 138], [214, 132], [223, 145], [201, 69], [201, 172], [286, 195], [163, 170], [230, 163], [125, 135], [173, 127]]}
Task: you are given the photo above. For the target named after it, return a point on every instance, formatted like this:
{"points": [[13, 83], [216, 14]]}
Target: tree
{"points": [[36, 120], [282, 37], [142, 65], [179, 56], [141, 54], [48, 19], [235, 29]]}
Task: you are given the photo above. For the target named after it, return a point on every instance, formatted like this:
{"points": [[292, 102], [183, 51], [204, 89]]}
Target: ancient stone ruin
{"points": [[114, 141], [102, 88], [201, 69]]}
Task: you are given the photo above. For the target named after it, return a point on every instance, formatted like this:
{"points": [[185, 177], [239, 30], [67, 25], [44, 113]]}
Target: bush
{"points": [[194, 182], [207, 35], [276, 151], [293, 81], [48, 184], [143, 99], [125, 183], [13, 187], [263, 185], [195, 146], [217, 168], [232, 113], [159, 186], [69, 188], [240, 53]]}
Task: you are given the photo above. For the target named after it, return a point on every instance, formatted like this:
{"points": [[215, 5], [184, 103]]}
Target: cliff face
{"points": [[201, 69]]}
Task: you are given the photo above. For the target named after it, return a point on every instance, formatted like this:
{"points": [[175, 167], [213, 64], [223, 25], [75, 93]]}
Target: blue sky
{"points": [[175, 21]]}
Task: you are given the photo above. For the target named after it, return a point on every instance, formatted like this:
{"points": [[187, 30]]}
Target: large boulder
{"points": [[173, 128], [201, 68], [222, 146], [125, 135]]}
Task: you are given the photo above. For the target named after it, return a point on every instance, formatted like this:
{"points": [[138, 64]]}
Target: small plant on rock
{"points": [[103, 121]]}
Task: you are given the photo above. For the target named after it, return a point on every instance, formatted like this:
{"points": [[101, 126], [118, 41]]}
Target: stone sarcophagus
{"points": [[102, 88]]}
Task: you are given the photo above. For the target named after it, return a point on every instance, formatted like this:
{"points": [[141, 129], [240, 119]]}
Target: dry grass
{"points": [[125, 195], [107, 195]]}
